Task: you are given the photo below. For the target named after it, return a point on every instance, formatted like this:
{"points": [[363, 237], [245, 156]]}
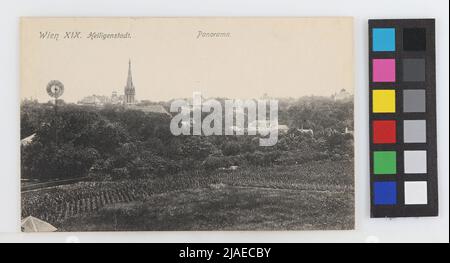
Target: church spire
{"points": [[129, 88], [130, 78]]}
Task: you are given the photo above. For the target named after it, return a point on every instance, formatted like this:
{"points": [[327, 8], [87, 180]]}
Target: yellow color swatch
{"points": [[383, 101]]}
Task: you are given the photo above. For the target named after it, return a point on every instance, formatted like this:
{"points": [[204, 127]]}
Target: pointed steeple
{"points": [[129, 88], [130, 78]]}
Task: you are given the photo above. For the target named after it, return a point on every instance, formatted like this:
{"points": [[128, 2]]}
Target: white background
{"points": [[367, 230]]}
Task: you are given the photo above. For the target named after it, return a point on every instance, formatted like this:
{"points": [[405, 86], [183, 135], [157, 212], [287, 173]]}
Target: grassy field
{"points": [[315, 195]]}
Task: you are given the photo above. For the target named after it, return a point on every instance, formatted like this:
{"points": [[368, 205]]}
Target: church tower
{"points": [[129, 89]]}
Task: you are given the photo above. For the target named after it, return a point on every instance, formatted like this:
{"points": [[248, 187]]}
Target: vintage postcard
{"points": [[159, 124]]}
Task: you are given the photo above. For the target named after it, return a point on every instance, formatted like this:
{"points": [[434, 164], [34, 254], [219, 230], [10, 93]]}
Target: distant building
{"points": [[127, 99], [348, 131], [306, 131], [129, 89], [116, 99], [265, 126], [283, 128], [265, 96], [94, 100], [149, 108], [342, 95]]}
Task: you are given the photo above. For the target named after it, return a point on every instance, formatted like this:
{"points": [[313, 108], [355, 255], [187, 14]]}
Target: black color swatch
{"points": [[414, 39]]}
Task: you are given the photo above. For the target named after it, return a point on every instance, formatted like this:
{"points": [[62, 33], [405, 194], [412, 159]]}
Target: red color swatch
{"points": [[384, 131]]}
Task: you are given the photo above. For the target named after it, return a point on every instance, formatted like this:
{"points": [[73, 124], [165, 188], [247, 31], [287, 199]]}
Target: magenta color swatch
{"points": [[383, 70]]}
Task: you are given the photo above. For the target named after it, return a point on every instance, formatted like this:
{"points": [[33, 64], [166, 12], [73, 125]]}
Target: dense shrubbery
{"points": [[116, 143], [65, 161]]}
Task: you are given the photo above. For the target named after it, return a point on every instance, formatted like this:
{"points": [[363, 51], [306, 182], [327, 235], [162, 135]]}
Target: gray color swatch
{"points": [[414, 131], [414, 69], [415, 162], [414, 100]]}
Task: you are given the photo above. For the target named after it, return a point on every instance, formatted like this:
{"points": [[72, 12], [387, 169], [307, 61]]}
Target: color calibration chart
{"points": [[402, 87]]}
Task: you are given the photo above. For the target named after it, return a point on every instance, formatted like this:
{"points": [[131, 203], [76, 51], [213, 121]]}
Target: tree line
{"points": [[114, 142]]}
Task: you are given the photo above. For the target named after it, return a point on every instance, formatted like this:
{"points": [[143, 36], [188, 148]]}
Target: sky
{"points": [[281, 57]]}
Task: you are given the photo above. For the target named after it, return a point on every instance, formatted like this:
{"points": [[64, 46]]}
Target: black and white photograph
{"points": [[186, 124]]}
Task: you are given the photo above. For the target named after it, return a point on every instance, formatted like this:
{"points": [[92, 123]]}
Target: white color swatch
{"points": [[416, 193]]}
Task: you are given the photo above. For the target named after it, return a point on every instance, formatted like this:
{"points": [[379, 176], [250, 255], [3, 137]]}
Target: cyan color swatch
{"points": [[383, 39], [385, 193]]}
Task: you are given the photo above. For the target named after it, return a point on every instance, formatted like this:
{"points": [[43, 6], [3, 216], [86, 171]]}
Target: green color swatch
{"points": [[385, 162]]}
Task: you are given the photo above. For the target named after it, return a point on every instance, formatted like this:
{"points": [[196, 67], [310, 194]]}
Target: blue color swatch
{"points": [[385, 193], [383, 39]]}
